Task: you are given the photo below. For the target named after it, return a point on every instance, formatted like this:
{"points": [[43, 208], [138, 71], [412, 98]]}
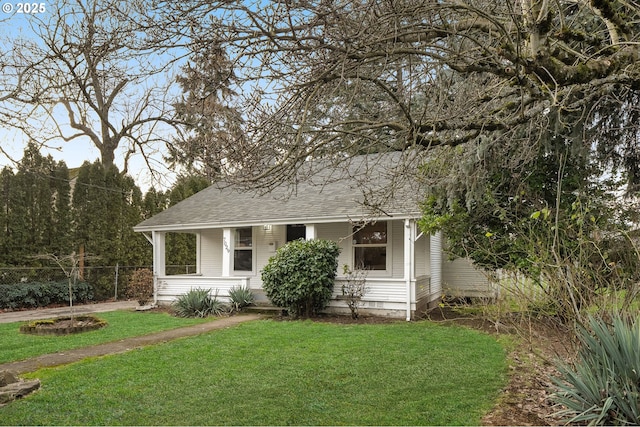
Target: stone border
{"points": [[46, 326]]}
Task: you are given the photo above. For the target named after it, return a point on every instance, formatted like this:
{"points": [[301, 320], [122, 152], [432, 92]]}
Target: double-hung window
{"points": [[370, 246], [243, 250]]}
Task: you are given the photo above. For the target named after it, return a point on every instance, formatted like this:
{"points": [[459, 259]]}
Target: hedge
{"points": [[41, 294]]}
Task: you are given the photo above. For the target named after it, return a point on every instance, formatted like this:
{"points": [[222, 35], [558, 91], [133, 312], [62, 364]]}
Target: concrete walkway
{"points": [[75, 355], [45, 313]]}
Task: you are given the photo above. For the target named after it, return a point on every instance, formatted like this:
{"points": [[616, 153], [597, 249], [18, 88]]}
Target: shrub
{"points": [[41, 294], [103, 283], [354, 288], [603, 385], [141, 286], [240, 297], [300, 276], [199, 303]]}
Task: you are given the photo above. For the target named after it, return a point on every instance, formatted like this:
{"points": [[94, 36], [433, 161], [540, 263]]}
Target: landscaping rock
{"points": [[8, 377], [12, 388]]}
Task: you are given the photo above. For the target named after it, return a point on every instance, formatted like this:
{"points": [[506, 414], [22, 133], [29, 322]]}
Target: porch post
{"points": [[198, 253], [226, 252], [159, 260], [310, 231], [409, 233], [159, 250]]}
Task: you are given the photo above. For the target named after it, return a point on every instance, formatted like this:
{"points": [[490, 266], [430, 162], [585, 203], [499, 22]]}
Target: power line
{"points": [[72, 181]]}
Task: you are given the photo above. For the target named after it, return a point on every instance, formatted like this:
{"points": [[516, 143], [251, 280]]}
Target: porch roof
{"points": [[380, 186]]}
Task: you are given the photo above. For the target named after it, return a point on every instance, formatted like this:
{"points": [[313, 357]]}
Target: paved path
{"points": [[45, 313], [75, 355]]}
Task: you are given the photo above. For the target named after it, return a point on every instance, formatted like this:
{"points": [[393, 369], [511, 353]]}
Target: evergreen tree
{"points": [[208, 111], [106, 206], [153, 203], [181, 247], [31, 206], [62, 216], [6, 182]]}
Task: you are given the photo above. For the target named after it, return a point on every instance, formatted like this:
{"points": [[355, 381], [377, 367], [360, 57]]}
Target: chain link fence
{"points": [[108, 282]]}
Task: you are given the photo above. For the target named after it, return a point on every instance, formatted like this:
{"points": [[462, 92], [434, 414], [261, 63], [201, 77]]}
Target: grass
{"points": [[122, 324], [280, 373]]}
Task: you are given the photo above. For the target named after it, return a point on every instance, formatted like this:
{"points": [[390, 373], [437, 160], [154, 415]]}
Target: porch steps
{"points": [[264, 308]]}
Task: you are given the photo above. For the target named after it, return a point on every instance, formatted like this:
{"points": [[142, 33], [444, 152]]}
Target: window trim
{"points": [[388, 245], [251, 249]]}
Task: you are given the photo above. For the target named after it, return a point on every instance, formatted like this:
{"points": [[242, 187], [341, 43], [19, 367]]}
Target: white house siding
{"points": [[171, 287], [421, 253], [211, 252], [461, 279], [339, 232], [397, 251], [266, 243], [386, 291], [384, 297]]}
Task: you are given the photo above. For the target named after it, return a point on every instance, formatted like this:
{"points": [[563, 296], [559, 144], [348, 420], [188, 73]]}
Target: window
{"points": [[243, 250], [370, 246]]}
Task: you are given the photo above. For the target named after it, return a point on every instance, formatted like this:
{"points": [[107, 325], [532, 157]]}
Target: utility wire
{"points": [[73, 181]]}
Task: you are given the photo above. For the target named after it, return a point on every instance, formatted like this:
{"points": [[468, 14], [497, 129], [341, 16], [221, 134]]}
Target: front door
{"points": [[295, 232]]}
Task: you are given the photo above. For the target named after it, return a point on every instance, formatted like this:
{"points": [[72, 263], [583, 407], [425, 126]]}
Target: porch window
{"points": [[370, 246], [243, 250]]}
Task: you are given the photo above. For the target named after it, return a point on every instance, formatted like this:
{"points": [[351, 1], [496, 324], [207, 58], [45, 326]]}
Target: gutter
{"points": [[262, 221]]}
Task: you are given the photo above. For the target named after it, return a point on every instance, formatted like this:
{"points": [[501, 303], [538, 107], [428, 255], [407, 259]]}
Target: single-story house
{"points": [[366, 206]]}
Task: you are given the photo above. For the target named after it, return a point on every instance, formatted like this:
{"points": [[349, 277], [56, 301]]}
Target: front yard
{"points": [[122, 324], [280, 373]]}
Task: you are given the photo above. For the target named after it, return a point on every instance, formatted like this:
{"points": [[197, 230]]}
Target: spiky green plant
{"points": [[602, 387], [240, 297], [199, 303]]}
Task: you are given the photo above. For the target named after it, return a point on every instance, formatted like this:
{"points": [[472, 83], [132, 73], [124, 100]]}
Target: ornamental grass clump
{"points": [[240, 297], [301, 275], [602, 387], [199, 303]]}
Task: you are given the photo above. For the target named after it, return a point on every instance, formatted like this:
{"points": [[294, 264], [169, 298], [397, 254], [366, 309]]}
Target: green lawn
{"points": [[280, 373], [122, 324]]}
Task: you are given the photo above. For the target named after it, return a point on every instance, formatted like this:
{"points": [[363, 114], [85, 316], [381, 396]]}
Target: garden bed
{"points": [[63, 325]]}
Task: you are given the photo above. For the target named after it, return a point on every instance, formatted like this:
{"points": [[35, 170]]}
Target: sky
{"points": [[16, 22]]}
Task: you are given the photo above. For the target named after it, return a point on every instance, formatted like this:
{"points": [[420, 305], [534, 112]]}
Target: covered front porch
{"points": [[403, 265]]}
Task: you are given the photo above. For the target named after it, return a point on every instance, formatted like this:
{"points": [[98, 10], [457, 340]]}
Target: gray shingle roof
{"points": [[367, 187]]}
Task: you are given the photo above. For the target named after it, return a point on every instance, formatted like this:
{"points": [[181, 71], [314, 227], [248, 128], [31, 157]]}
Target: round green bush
{"points": [[300, 276]]}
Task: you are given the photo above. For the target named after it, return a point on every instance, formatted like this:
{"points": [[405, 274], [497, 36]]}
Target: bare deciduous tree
{"points": [[87, 70], [331, 77]]}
